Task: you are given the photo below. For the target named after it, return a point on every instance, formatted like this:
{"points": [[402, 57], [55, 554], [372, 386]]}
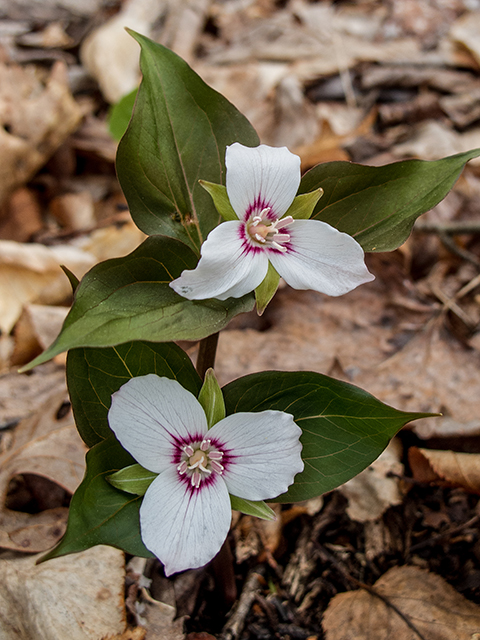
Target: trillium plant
{"points": [[171, 453]]}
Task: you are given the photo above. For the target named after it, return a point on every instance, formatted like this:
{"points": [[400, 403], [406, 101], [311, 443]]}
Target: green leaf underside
{"points": [[120, 115], [129, 298], [251, 508], [178, 134], [93, 374], [211, 399], [99, 513], [379, 205], [344, 428], [133, 479]]}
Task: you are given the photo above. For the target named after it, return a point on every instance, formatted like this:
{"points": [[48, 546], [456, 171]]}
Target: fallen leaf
{"points": [[32, 273], [447, 468], [429, 603], [48, 446], [38, 114], [36, 329], [374, 490], [79, 597]]}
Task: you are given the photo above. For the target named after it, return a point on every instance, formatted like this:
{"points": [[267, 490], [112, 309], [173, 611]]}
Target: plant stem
{"points": [[207, 350]]}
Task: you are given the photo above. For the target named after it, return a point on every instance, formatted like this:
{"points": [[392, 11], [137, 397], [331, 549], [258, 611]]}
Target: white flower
{"points": [[185, 514], [308, 254]]}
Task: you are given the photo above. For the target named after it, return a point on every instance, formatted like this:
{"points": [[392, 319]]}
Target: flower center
{"points": [[199, 460], [266, 232]]}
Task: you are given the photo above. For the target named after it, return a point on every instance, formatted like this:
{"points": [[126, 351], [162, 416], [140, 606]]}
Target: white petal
{"points": [[151, 416], [228, 266], [184, 527], [262, 453], [321, 258], [266, 176]]}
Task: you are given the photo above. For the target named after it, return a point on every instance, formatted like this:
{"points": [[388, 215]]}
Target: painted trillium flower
{"points": [[308, 254], [185, 514]]}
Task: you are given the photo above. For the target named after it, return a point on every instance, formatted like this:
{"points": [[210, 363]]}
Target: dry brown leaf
{"points": [[430, 604], [447, 468], [37, 114], [31, 273], [47, 446], [79, 597], [36, 329], [379, 345], [374, 490]]}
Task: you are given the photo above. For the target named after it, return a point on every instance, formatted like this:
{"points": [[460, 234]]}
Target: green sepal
{"points": [[133, 479], [220, 199], [252, 508], [303, 205], [266, 289], [211, 399]]}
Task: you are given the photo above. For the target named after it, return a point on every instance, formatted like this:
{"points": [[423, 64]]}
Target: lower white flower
{"points": [[308, 254], [185, 514]]}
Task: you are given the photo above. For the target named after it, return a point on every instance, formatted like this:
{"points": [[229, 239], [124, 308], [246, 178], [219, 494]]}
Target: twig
{"points": [[457, 227], [236, 621], [327, 556], [446, 534]]}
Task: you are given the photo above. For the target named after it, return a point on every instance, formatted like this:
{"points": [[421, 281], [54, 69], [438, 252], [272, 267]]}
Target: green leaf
{"points": [[129, 298], [211, 399], [99, 513], [72, 278], [133, 479], [344, 428], [93, 375], [220, 199], [266, 289], [379, 205], [252, 508], [120, 115], [178, 134], [303, 205]]}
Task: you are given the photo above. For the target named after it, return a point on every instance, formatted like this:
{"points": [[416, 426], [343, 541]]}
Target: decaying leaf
{"points": [[37, 113], [44, 445], [79, 597], [36, 329], [31, 273], [376, 489], [447, 468], [429, 604]]}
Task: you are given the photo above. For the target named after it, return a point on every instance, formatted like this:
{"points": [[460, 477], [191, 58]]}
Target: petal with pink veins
{"points": [[321, 258], [184, 527]]}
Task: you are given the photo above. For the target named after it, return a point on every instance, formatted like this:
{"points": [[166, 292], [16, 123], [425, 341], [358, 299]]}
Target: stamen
{"points": [[260, 238], [279, 247], [216, 466], [282, 237], [205, 444], [215, 455], [284, 222], [264, 212], [182, 467], [189, 450]]}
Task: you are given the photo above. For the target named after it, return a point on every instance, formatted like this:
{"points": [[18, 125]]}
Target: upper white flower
{"points": [[185, 514], [309, 254]]}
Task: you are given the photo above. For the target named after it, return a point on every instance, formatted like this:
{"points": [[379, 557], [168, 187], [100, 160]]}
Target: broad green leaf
{"points": [[178, 135], [72, 278], [379, 205], [120, 115], [211, 399], [251, 508], [133, 479], [129, 298], [220, 199], [344, 428], [266, 289], [303, 205], [94, 374], [99, 513]]}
